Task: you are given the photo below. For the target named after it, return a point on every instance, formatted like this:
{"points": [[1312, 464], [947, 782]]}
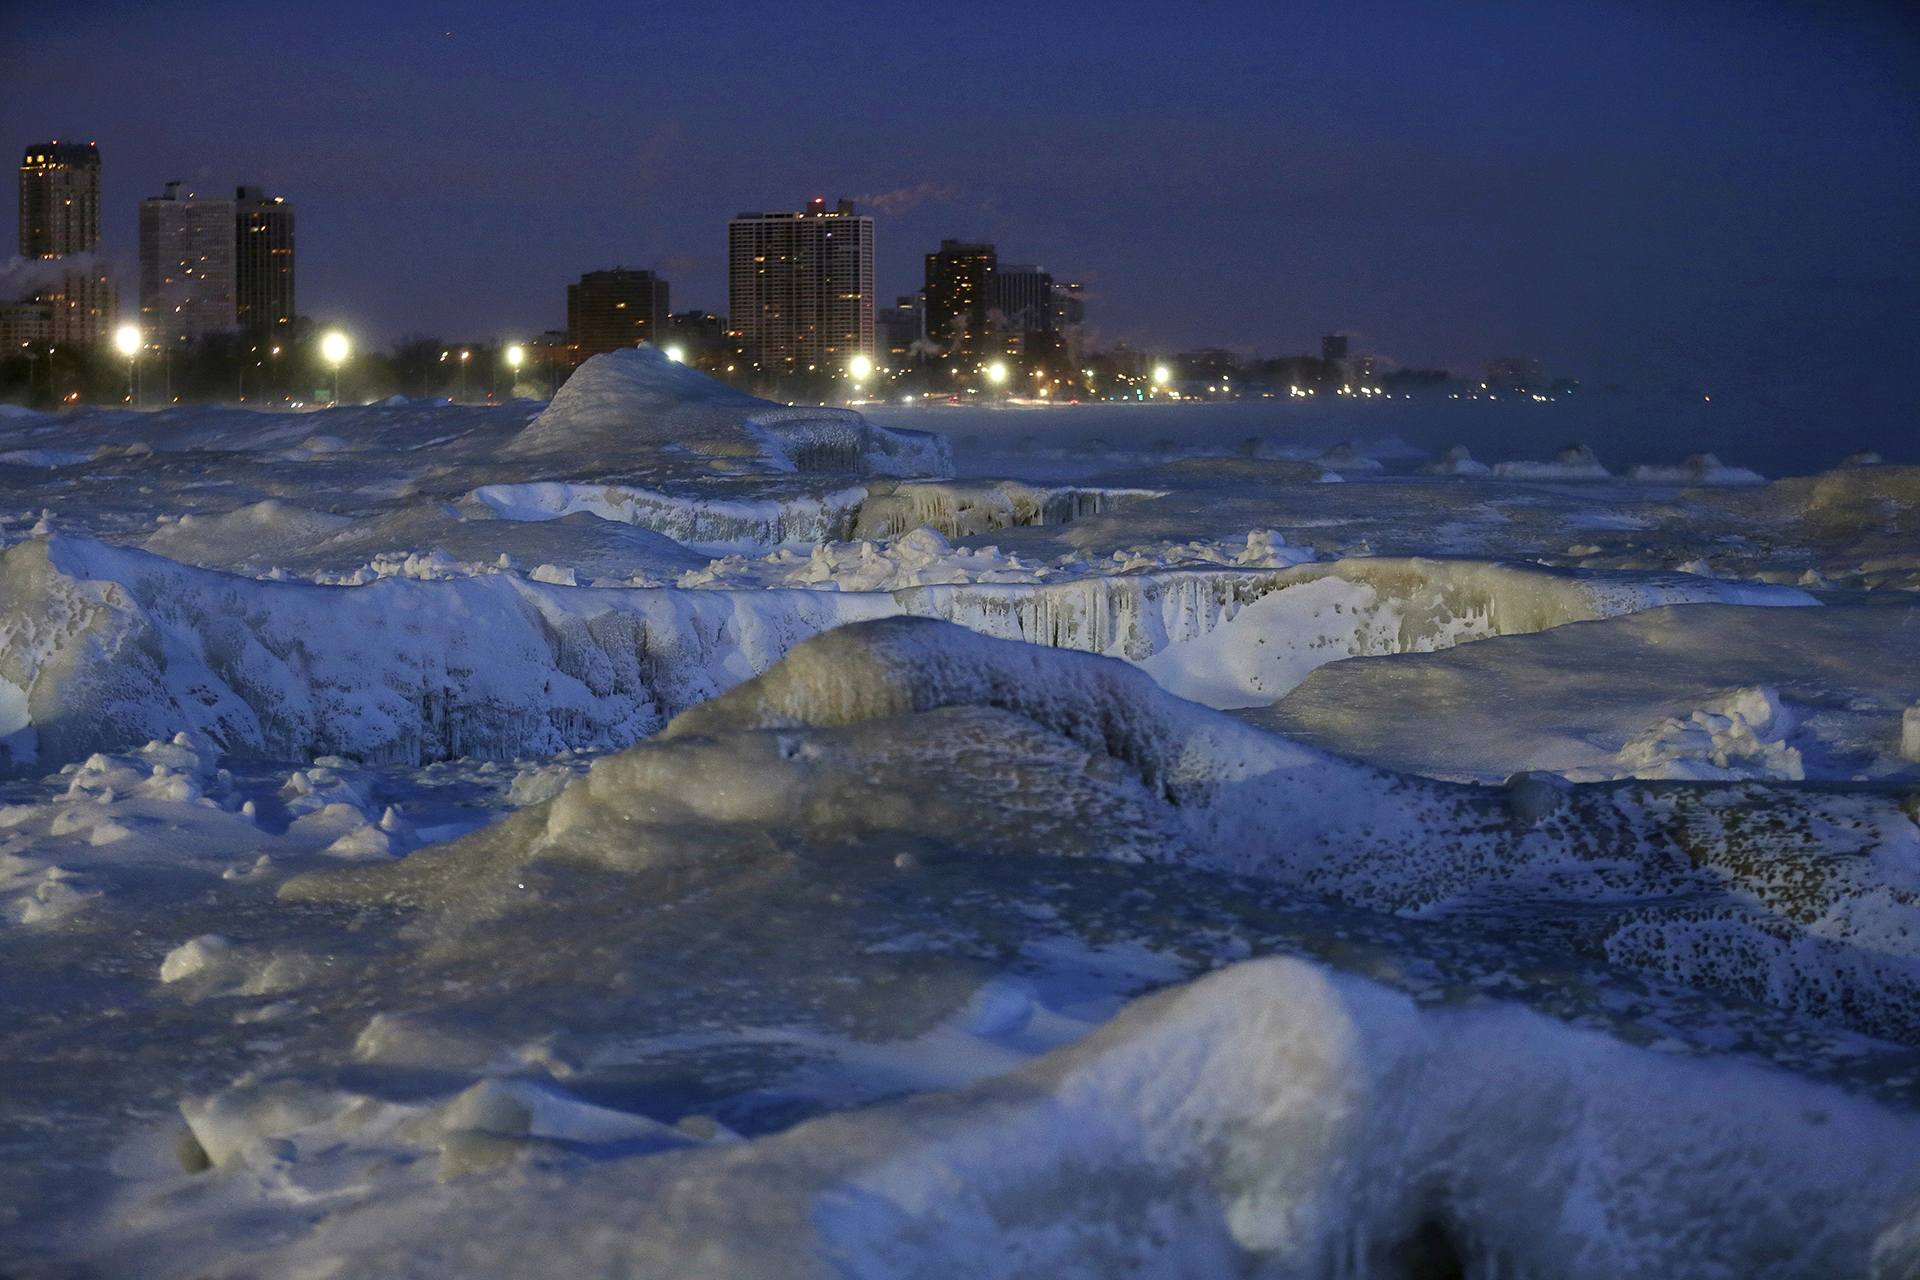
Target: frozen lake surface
{"points": [[666, 833]]}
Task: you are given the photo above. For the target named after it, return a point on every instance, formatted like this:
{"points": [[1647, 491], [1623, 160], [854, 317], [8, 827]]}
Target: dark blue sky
{"points": [[1708, 193]]}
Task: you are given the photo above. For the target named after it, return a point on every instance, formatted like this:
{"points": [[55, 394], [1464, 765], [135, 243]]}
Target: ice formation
{"points": [[1573, 462], [620, 398], [669, 832], [105, 645], [1707, 692]]}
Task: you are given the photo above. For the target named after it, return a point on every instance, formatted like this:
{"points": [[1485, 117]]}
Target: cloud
{"points": [[907, 197]]}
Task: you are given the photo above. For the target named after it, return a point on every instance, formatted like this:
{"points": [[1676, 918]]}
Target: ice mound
{"points": [[1272, 1117], [620, 400], [1699, 468], [1344, 459], [1707, 691], [264, 533], [1737, 734], [1457, 461], [1573, 462]]}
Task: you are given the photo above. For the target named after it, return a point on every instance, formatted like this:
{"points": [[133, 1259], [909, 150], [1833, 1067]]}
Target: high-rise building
{"points": [[1023, 297], [800, 287], [896, 329], [1069, 304], [609, 310], [262, 262], [959, 278], [59, 199], [186, 266], [60, 218]]}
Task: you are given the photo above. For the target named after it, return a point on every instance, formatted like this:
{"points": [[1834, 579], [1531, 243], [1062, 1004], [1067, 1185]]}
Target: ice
{"points": [[620, 400], [1710, 692], [1572, 462], [1457, 461], [668, 832], [1700, 468]]}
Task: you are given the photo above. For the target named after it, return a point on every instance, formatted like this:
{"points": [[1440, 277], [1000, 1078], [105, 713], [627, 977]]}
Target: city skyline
{"points": [[1656, 196]]}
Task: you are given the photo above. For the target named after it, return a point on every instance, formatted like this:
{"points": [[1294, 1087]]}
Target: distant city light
{"points": [[334, 347], [996, 373], [860, 367], [677, 355], [1162, 375], [127, 338], [515, 355]]}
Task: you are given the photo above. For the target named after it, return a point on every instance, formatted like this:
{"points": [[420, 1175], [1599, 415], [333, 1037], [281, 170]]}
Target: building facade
{"points": [[59, 199], [1021, 297], [800, 287], [60, 219], [186, 266], [263, 299], [609, 310], [898, 331], [959, 294]]}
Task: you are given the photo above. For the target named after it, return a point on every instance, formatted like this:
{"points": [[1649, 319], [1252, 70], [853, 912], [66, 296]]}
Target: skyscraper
{"points": [[60, 218], [609, 310], [959, 277], [262, 262], [59, 199], [1023, 296], [186, 266], [899, 328], [800, 287]]}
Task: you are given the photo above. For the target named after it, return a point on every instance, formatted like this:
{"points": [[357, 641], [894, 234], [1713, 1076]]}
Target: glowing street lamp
{"points": [[515, 355], [996, 373], [677, 354], [333, 348], [127, 339], [1162, 375], [860, 367]]}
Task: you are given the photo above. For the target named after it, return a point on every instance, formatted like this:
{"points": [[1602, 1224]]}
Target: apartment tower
{"points": [[186, 266], [262, 263], [959, 295], [800, 287], [609, 310], [60, 219]]}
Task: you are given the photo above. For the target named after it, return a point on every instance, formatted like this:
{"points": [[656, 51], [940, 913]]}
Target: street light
{"points": [[996, 373], [1162, 375], [860, 367], [463, 375], [334, 348], [515, 354], [127, 338], [677, 355]]}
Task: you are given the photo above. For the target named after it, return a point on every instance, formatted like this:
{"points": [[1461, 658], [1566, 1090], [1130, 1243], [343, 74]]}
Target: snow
{"points": [[666, 832]]}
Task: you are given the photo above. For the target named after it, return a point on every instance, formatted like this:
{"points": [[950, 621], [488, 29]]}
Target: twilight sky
{"points": [[1712, 193]]}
